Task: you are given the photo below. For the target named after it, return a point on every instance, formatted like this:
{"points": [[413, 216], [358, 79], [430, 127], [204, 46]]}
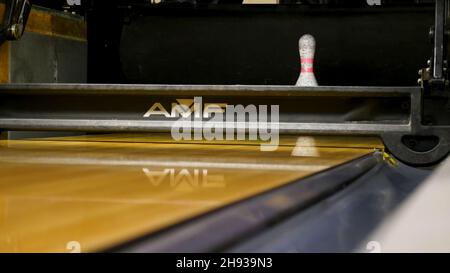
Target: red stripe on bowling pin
{"points": [[307, 70]]}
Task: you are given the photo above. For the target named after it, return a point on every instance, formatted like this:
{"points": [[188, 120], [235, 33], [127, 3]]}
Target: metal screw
{"points": [[14, 31]]}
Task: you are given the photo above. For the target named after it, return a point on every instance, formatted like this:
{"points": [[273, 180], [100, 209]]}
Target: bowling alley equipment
{"points": [[118, 181]]}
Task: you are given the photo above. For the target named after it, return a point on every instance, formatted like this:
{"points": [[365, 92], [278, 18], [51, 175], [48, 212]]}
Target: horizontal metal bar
{"points": [[206, 90], [165, 126], [116, 108], [388, 112]]}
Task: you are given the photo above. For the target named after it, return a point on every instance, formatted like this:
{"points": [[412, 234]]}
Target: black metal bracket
{"points": [[15, 19], [435, 76], [435, 95]]}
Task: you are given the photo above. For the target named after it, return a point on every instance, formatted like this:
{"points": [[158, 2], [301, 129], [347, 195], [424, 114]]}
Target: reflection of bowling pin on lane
{"points": [[307, 48]]}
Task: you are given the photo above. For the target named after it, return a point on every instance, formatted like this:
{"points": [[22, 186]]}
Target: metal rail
{"points": [[393, 113]]}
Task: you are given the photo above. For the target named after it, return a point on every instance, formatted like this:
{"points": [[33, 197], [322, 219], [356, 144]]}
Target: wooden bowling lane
{"points": [[100, 191]]}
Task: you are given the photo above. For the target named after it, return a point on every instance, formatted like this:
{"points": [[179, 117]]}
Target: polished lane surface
{"points": [[88, 193]]}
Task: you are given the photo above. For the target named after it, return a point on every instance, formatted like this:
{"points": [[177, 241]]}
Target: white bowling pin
{"points": [[307, 48]]}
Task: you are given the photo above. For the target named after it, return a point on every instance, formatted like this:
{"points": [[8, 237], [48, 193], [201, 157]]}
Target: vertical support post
{"points": [[439, 36]]}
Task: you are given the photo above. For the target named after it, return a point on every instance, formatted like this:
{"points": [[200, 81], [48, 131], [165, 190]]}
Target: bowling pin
{"points": [[307, 48]]}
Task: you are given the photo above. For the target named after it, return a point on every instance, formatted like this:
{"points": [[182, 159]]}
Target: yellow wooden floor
{"points": [[100, 191]]}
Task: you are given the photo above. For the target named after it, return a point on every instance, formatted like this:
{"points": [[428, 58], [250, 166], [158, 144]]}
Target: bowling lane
{"points": [[103, 190]]}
